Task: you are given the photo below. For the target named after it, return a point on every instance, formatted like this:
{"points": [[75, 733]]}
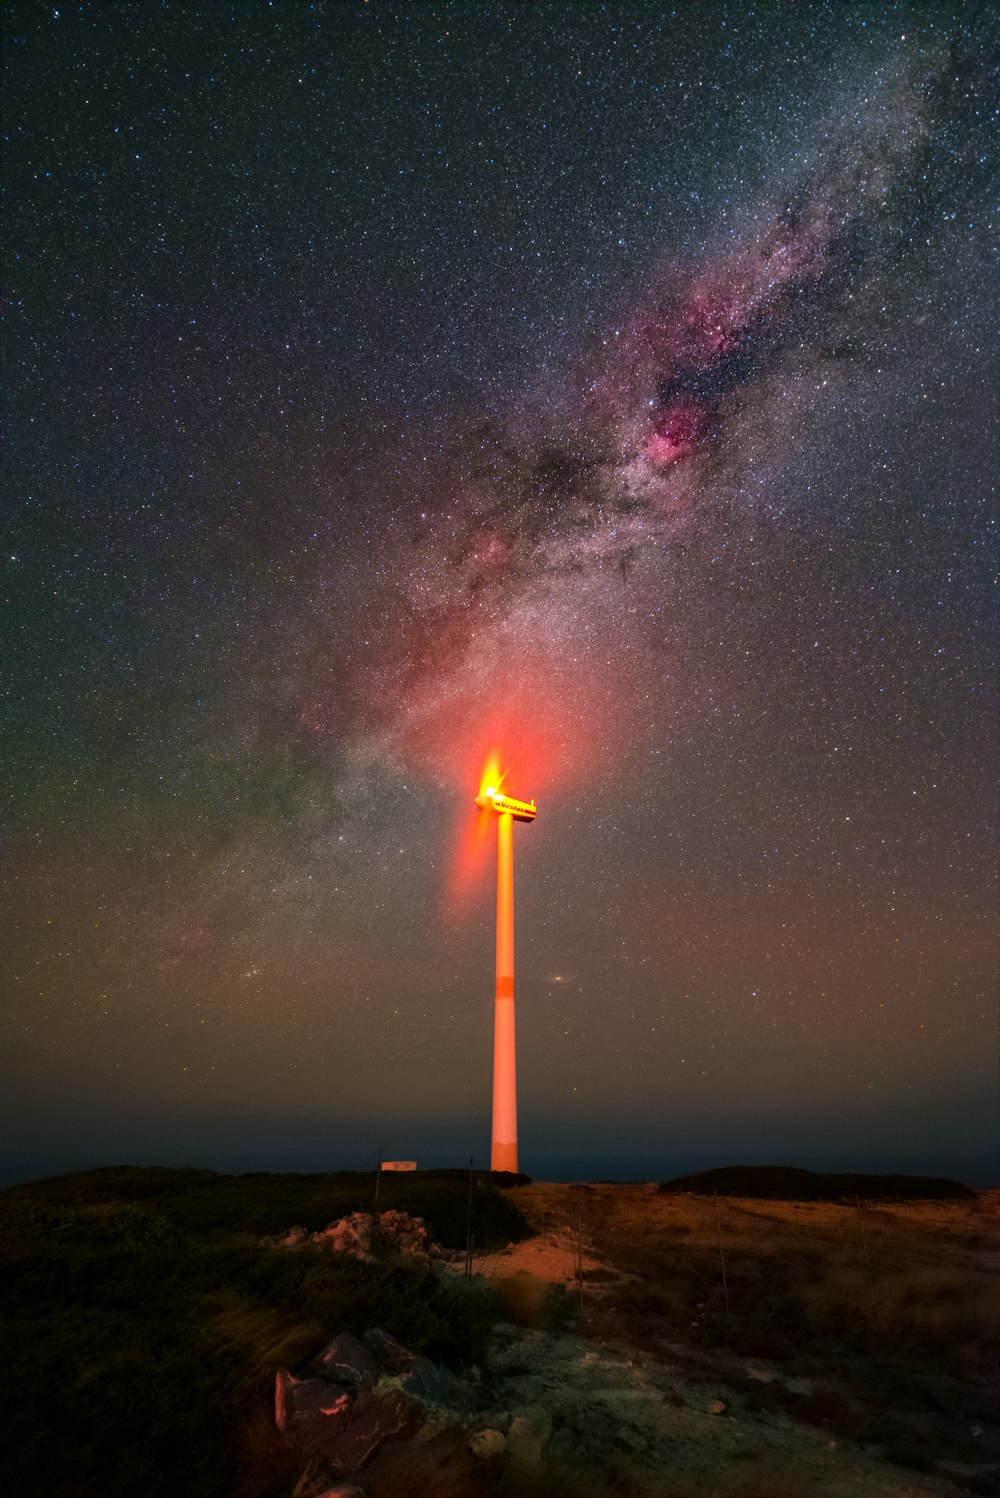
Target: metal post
{"points": [[468, 1228], [864, 1246], [579, 1247], [722, 1255], [378, 1182]]}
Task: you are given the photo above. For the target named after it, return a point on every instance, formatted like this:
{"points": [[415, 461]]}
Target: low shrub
{"points": [[205, 1203], [141, 1358]]}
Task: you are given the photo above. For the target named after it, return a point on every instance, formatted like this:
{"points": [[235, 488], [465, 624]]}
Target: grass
{"points": [[925, 1312], [801, 1277], [142, 1321]]}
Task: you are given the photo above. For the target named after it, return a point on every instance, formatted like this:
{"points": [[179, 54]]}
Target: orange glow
{"points": [[547, 722], [473, 843], [542, 730], [492, 777]]}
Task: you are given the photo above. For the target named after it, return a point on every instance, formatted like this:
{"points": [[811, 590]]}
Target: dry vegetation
{"points": [[160, 1317], [883, 1317]]}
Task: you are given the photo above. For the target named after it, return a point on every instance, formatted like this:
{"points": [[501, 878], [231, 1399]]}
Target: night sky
{"points": [[613, 386]]}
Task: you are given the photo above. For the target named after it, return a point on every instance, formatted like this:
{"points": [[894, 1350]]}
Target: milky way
{"points": [[609, 387], [532, 549]]}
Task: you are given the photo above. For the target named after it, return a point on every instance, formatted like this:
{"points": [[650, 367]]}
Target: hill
{"points": [[785, 1183]]}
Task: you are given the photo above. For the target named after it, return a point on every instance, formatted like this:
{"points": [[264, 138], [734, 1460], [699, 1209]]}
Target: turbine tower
{"points": [[503, 1151]]}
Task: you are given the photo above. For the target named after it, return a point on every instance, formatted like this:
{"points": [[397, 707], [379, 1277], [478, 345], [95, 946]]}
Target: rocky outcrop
{"points": [[390, 1356], [360, 1233], [345, 1360], [335, 1429], [364, 1392]]}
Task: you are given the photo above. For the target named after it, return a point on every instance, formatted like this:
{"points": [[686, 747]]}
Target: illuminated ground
{"points": [[882, 1348]]}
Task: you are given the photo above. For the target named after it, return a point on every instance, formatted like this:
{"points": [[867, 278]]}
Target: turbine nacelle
{"points": [[491, 799]]}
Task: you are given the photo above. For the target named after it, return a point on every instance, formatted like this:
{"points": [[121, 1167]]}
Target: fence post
{"points": [[579, 1247], [864, 1247], [468, 1228], [722, 1254], [378, 1182]]}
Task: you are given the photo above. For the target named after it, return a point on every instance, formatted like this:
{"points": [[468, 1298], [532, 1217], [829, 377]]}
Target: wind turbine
{"points": [[503, 1151]]}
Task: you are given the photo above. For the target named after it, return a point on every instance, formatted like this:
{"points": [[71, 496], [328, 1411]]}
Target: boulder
{"points": [[337, 1428], [535, 1418], [357, 1234], [375, 1419], [351, 1236], [295, 1397], [487, 1444], [405, 1233], [346, 1360], [529, 1430], [390, 1356]]}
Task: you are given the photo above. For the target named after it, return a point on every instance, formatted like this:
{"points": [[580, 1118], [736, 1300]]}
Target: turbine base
{"points": [[504, 1156]]}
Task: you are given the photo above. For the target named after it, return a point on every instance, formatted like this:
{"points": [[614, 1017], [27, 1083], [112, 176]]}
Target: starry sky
{"points": [[611, 386]]}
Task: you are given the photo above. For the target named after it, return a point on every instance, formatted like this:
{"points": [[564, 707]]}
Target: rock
{"points": [[358, 1234], [523, 1447], [537, 1419], [347, 1361], [486, 1444], [312, 1413], [341, 1429], [375, 1419], [351, 1236], [716, 1407], [434, 1385], [406, 1234], [390, 1356], [302, 1397], [529, 1430]]}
